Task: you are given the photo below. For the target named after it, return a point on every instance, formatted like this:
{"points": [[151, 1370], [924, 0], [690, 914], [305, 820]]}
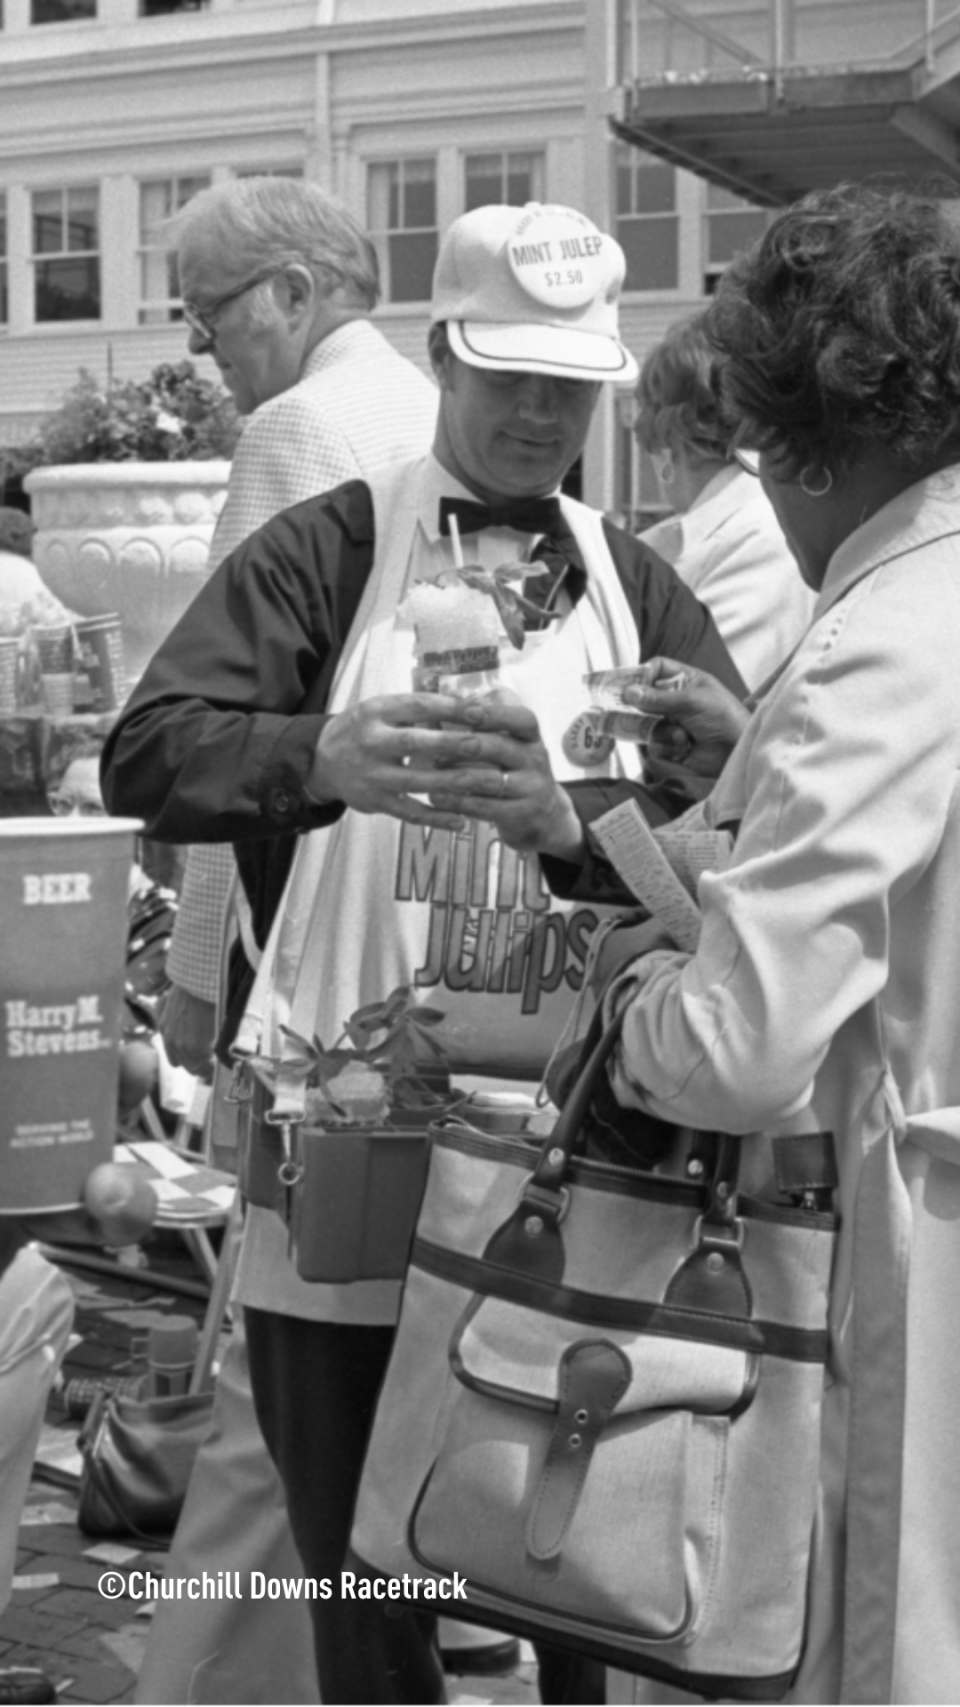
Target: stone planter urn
{"points": [[130, 537]]}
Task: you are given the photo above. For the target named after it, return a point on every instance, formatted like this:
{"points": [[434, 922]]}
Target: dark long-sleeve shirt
{"points": [[217, 741]]}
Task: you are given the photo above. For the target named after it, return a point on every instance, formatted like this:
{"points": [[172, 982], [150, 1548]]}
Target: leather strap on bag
{"points": [[712, 1278], [92, 1441], [594, 1375], [530, 1240]]}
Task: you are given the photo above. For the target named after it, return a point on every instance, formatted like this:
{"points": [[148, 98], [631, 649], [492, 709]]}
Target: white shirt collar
{"points": [[724, 494], [435, 483]]}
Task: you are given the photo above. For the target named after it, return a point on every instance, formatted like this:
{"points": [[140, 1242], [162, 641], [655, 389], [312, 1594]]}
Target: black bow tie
{"points": [[526, 515]]}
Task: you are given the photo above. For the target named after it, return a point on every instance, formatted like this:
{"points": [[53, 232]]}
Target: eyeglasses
{"points": [[748, 460], [204, 320]]}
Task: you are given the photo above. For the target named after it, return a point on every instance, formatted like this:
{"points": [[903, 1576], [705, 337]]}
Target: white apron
{"points": [[373, 904]]}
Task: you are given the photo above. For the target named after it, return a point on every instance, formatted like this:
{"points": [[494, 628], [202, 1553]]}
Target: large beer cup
{"points": [[63, 918]]}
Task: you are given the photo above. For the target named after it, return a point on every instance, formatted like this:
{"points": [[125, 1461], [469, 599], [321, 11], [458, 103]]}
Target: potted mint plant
{"points": [[360, 1156]]}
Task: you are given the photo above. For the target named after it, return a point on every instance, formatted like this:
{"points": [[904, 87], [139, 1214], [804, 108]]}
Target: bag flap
{"points": [[515, 1353]]}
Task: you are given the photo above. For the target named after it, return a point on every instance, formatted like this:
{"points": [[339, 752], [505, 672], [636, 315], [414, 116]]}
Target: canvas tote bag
{"points": [[603, 1403]]}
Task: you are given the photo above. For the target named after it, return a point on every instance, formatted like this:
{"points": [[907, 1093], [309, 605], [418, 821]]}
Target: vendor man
{"points": [[282, 704]]}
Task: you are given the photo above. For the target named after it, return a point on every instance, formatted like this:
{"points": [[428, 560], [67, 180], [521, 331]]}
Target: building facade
{"points": [[114, 112]]}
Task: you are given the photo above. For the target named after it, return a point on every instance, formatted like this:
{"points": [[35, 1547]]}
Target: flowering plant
{"points": [[170, 417]]}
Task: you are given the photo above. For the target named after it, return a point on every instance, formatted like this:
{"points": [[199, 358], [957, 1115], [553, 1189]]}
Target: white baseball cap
{"points": [[534, 289]]}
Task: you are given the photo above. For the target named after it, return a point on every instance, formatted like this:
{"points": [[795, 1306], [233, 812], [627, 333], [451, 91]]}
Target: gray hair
{"points": [[266, 221]]}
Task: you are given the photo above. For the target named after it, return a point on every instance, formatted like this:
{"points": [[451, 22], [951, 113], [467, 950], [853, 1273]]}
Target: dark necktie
{"points": [[526, 515]]}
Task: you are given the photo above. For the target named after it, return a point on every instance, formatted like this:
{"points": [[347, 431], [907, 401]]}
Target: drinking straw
{"points": [[455, 542]]}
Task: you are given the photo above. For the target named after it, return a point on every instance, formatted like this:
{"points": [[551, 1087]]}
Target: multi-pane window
{"points": [[402, 217], [156, 8], [648, 225], [61, 11], [4, 298], [160, 198], [638, 501], [730, 226], [66, 254], [514, 178]]}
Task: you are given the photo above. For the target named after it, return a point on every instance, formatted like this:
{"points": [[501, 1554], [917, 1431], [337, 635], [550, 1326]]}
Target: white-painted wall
{"points": [[328, 86]]}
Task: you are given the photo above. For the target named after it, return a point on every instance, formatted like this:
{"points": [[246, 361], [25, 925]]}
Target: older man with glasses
{"points": [[278, 283]]}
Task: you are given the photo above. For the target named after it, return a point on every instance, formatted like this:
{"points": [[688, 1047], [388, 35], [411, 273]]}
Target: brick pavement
{"points": [[91, 1646], [56, 1618]]}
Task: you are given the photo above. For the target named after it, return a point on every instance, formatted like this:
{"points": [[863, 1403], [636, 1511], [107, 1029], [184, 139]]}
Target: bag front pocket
{"points": [[527, 1493]]}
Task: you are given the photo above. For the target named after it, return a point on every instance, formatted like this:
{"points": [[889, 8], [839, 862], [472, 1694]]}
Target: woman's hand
{"points": [[498, 769], [703, 721]]}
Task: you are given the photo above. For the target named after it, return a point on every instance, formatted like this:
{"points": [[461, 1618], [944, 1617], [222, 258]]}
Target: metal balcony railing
{"points": [[701, 41]]}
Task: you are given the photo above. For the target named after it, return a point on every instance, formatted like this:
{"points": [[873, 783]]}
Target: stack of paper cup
{"points": [[9, 674], [101, 659], [55, 650], [58, 693]]}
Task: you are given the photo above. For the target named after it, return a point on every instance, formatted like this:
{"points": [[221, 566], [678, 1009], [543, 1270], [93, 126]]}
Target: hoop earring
{"points": [[816, 491], [667, 472]]}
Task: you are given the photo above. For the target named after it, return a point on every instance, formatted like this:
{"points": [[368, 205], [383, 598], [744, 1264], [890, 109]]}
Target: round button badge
{"points": [[583, 743], [556, 257]]}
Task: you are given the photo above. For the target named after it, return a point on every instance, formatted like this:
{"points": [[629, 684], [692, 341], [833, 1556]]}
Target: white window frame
{"points": [[675, 214], [381, 233], [504, 156], [172, 12], [42, 257], [170, 305], [715, 269], [54, 23]]}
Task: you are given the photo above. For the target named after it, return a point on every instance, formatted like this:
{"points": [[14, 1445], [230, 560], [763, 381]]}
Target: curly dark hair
{"points": [[679, 400], [841, 329]]}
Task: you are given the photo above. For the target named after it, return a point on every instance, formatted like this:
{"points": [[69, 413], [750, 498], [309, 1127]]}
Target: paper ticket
{"points": [[690, 853], [630, 846]]}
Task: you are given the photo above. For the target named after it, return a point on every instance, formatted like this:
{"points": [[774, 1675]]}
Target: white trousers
{"points": [[234, 1518], [36, 1314]]}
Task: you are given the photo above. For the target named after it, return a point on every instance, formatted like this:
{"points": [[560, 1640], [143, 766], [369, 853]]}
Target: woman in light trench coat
{"points": [[825, 991]]}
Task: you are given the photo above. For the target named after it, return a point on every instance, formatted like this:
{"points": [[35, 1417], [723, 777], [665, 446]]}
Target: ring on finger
{"points": [[502, 792]]}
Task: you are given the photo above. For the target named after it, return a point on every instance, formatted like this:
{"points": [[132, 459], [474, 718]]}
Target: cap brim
{"points": [[558, 350]]}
